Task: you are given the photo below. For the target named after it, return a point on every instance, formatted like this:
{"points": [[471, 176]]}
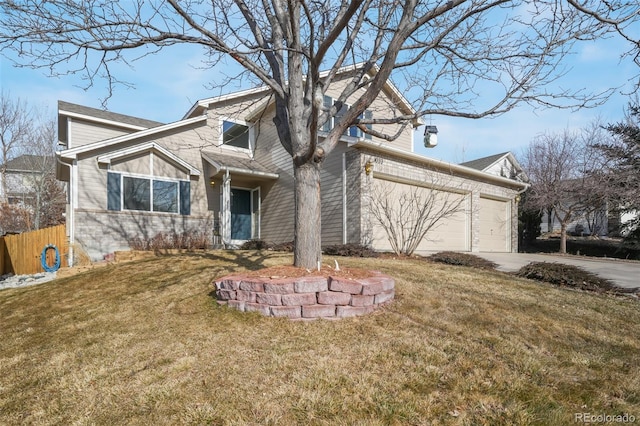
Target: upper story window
{"points": [[235, 134], [353, 131]]}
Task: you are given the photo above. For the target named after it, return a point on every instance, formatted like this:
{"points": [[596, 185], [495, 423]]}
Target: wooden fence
{"points": [[20, 254]]}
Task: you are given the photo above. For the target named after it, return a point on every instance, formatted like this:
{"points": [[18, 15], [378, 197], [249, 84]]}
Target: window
{"points": [[353, 130], [165, 196], [136, 193], [235, 134], [147, 194]]}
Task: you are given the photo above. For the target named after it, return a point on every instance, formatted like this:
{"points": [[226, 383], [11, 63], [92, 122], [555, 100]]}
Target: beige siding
{"points": [[164, 167], [92, 192], [331, 191], [382, 107], [83, 132], [138, 164], [92, 186], [277, 197]]}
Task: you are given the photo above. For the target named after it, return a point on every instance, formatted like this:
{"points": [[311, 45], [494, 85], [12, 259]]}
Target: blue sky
{"points": [[169, 83]]}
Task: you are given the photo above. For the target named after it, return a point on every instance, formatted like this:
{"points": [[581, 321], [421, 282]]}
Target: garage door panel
{"points": [[449, 233], [494, 225]]}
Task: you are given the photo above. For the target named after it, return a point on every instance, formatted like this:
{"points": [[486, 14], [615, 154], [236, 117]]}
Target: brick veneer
{"points": [[306, 297]]}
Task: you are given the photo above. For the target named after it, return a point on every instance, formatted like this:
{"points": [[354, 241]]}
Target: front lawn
{"points": [[145, 343]]}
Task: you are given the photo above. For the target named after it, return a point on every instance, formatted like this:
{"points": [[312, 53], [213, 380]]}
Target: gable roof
{"points": [[29, 163], [94, 114], [73, 152], [149, 146], [484, 162], [399, 100]]}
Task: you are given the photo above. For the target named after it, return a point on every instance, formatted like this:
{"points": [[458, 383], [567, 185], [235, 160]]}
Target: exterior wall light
{"points": [[368, 167]]}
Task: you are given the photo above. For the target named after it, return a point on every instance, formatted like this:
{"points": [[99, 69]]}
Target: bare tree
{"points": [[562, 168], [443, 52], [46, 193], [407, 217], [15, 125], [623, 169]]}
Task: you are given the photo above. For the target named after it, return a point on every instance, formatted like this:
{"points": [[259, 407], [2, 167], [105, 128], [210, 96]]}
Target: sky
{"points": [[169, 83]]}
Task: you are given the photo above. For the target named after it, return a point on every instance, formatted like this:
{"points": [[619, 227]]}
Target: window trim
{"points": [[182, 210], [249, 126]]}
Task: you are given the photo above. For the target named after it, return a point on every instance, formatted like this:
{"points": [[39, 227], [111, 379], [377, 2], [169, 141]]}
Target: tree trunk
{"points": [[563, 238], [307, 250]]}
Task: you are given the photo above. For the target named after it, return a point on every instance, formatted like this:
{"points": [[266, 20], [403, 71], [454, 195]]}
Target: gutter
{"points": [[439, 164]]}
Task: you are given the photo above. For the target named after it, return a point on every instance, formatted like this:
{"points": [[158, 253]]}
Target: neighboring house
{"points": [[504, 164], [601, 222], [21, 174], [221, 170]]}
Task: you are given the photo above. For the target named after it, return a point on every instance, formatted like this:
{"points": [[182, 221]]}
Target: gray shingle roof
{"points": [[28, 163], [220, 161], [107, 115], [483, 163]]}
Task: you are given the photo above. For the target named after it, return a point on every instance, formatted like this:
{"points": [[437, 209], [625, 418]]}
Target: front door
{"points": [[240, 214]]}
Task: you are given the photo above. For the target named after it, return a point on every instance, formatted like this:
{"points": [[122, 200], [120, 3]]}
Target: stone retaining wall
{"points": [[305, 297]]}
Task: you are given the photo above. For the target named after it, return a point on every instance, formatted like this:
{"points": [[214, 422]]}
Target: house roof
{"points": [[484, 162], [69, 109], [149, 146], [244, 166], [459, 169], [399, 99], [73, 152], [29, 163]]}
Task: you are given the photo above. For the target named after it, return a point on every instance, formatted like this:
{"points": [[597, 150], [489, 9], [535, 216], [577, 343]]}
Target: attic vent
{"points": [[430, 136]]}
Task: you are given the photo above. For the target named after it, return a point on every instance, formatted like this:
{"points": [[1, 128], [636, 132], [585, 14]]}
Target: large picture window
{"points": [[147, 194], [235, 134]]}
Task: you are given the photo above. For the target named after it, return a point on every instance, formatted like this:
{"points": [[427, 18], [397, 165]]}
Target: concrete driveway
{"points": [[624, 273]]}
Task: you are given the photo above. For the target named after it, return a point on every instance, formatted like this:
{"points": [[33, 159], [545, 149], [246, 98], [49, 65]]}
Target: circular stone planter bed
{"points": [[297, 294]]}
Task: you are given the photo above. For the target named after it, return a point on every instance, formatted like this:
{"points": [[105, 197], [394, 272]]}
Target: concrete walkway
{"points": [[624, 273]]}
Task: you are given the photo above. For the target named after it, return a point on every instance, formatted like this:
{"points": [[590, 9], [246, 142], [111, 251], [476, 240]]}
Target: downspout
{"points": [[70, 214], [344, 198], [226, 213]]}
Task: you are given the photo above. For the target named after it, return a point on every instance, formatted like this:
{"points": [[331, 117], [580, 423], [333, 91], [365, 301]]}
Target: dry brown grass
{"points": [[145, 343]]}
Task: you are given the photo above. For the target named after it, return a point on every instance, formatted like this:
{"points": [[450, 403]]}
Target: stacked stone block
{"points": [[306, 297]]}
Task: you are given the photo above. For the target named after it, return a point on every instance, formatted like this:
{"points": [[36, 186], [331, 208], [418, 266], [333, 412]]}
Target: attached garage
{"points": [[495, 225], [450, 232]]}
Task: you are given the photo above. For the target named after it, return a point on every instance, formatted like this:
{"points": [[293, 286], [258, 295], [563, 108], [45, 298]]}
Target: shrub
{"points": [[166, 241], [351, 250], [565, 275], [254, 245], [462, 259], [288, 247]]}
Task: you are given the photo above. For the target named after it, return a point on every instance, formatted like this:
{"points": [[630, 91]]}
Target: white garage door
{"points": [[399, 202], [495, 232]]}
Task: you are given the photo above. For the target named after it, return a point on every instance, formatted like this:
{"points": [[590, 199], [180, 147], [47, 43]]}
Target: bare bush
{"points": [[408, 216]]}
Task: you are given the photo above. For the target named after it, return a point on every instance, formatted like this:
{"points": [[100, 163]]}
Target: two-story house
{"points": [[221, 170]]}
